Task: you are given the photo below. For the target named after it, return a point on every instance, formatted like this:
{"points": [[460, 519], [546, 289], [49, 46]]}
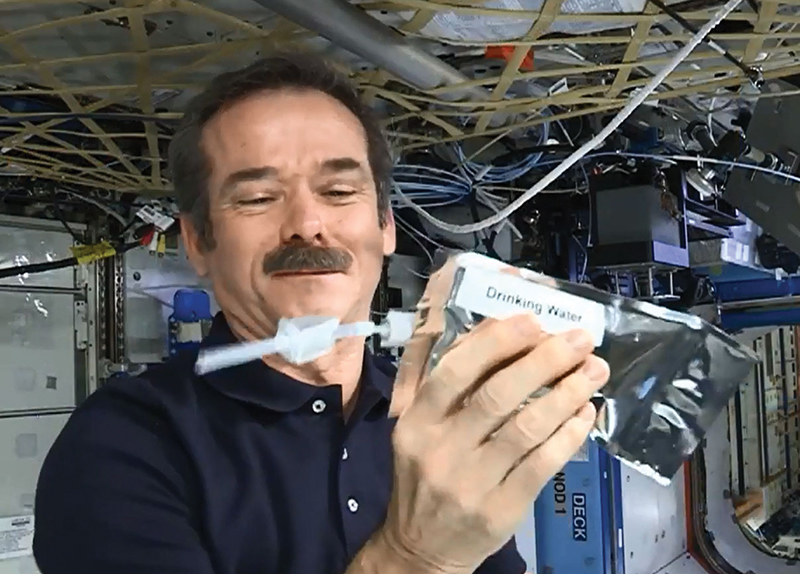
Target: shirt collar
{"points": [[257, 383]]}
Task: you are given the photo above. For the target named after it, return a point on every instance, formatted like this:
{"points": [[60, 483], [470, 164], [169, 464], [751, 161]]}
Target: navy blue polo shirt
{"points": [[243, 471]]}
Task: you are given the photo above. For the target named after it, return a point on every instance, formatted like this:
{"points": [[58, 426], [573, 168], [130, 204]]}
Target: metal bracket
{"points": [[108, 368], [756, 76], [81, 326]]}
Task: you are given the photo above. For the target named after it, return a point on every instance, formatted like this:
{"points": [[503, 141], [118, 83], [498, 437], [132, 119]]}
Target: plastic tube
{"points": [[303, 339], [238, 354], [639, 97]]}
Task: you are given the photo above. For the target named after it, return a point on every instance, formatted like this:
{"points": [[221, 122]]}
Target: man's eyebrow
{"points": [[342, 164], [246, 175]]}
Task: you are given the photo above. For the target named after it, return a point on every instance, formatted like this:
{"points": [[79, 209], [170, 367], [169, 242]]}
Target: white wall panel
{"points": [[24, 443], [37, 349], [24, 241]]}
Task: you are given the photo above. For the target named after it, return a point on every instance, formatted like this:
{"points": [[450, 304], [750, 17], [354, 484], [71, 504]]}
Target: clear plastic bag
{"points": [[672, 373]]}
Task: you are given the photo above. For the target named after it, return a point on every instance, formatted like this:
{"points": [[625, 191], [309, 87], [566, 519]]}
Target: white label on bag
{"points": [[500, 295], [16, 537]]}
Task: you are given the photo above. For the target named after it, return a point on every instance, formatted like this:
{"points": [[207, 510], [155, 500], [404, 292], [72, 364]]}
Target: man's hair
{"points": [[189, 164]]}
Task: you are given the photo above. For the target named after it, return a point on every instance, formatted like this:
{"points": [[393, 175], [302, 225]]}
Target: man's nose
{"points": [[302, 218]]}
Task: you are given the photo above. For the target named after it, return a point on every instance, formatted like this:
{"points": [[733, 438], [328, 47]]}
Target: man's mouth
{"points": [[305, 272]]}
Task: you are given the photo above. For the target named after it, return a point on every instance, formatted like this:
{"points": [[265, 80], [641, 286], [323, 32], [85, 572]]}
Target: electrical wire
{"points": [[637, 99], [478, 172], [140, 239], [688, 26], [37, 267], [145, 293], [97, 204], [701, 159], [585, 259], [411, 232], [484, 198], [34, 268], [429, 186], [674, 159], [418, 233], [15, 119], [62, 218]]}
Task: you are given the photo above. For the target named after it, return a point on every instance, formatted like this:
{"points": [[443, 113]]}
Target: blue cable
{"points": [[502, 174], [430, 186]]}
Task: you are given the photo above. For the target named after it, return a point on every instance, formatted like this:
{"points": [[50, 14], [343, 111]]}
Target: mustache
{"points": [[307, 258]]}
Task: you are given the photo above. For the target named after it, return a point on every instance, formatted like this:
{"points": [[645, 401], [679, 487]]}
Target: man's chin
{"points": [[307, 306], [331, 295]]}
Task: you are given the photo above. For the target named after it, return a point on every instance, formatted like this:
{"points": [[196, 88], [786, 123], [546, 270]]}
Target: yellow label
{"points": [[88, 253]]}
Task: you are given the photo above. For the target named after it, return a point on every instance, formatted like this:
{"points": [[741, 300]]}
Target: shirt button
{"points": [[344, 454], [318, 406], [352, 504]]}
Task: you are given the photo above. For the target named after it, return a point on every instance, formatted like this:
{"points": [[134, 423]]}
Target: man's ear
{"points": [[389, 234], [194, 247]]}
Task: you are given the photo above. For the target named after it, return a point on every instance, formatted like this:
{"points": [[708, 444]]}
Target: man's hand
{"points": [[468, 461]]}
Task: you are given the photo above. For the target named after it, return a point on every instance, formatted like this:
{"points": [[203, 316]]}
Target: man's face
{"points": [[294, 212]]}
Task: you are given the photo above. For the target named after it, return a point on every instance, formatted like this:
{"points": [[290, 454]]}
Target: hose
{"points": [[639, 97]]}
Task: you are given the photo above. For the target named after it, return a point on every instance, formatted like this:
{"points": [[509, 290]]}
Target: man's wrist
{"points": [[380, 557], [377, 557]]}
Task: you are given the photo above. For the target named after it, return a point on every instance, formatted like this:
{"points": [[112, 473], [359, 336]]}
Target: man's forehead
{"points": [[277, 108], [305, 135], [289, 127]]}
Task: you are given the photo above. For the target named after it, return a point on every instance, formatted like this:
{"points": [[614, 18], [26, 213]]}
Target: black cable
{"points": [[753, 74], [34, 268], [60, 216], [37, 267], [77, 116], [518, 154], [127, 228]]}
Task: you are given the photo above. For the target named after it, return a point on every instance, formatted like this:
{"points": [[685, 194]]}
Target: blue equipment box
{"points": [[579, 517]]}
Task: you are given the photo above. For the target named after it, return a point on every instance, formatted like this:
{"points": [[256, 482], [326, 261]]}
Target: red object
{"points": [[505, 53], [148, 236]]}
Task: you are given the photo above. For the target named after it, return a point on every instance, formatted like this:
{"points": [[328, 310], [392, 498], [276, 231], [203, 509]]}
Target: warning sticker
{"points": [[16, 537], [88, 253], [583, 454]]}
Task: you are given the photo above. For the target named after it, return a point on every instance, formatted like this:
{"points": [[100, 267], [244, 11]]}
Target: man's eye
{"points": [[254, 200], [339, 192]]}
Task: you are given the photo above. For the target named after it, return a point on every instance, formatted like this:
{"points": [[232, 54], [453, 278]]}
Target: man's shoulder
{"points": [[173, 375], [147, 399]]}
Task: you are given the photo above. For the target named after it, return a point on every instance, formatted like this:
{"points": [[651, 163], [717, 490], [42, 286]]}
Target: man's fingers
{"points": [[539, 419], [500, 396], [524, 482], [489, 346]]}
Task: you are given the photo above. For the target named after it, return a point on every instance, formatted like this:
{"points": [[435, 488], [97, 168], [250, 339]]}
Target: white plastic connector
{"points": [[303, 339], [396, 329], [153, 246], [299, 340]]}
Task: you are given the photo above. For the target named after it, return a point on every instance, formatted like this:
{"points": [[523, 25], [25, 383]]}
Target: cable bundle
{"points": [[501, 174], [429, 186]]}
